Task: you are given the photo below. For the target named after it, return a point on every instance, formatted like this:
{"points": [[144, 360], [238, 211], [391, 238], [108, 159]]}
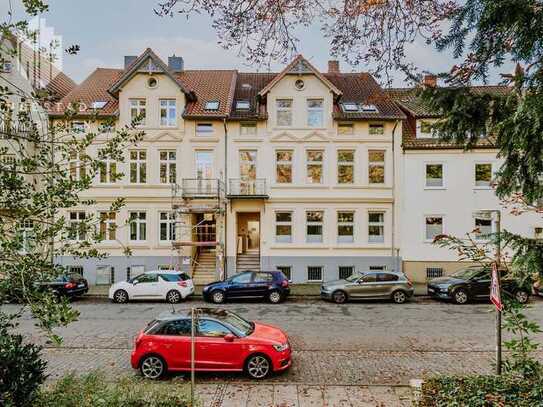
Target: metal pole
{"points": [[192, 382], [498, 312]]}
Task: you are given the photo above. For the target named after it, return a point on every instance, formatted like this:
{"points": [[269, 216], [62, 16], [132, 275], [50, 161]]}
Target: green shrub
{"points": [[484, 391], [93, 390], [21, 369]]}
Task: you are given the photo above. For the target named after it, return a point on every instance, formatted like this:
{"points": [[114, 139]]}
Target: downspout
{"points": [[393, 253], [225, 261]]}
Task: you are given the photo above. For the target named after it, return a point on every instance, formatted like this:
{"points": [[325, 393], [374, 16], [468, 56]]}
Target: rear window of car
{"points": [[387, 277]]}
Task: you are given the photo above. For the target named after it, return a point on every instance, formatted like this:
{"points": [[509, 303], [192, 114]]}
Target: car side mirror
{"points": [[135, 282], [229, 337]]}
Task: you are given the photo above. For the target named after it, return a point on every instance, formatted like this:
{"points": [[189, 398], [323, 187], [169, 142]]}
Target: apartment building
{"points": [[446, 190], [291, 170]]}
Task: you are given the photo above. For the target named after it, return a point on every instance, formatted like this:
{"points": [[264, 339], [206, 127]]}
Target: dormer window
{"points": [[99, 104], [212, 105], [350, 107], [369, 108], [243, 105]]}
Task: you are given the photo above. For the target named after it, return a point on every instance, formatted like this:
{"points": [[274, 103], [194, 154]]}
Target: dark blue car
{"points": [[269, 285]]}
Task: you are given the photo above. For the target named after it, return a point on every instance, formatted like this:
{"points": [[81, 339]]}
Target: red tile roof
{"points": [[60, 86]]}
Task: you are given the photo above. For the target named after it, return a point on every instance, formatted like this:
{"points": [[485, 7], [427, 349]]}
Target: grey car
{"points": [[370, 285]]}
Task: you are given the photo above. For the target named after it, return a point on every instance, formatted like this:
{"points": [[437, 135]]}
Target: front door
{"points": [[253, 229]]}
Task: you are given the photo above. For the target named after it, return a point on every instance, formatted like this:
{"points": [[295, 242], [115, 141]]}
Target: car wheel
{"points": [[274, 297], [173, 297], [152, 367], [399, 297], [339, 297], [217, 297], [522, 296], [460, 296], [258, 366], [120, 296]]}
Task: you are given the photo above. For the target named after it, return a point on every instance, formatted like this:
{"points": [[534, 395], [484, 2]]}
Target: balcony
{"points": [[202, 188], [10, 129], [247, 189]]}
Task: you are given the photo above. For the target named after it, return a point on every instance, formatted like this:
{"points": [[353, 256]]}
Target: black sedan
{"points": [[68, 285], [473, 283], [269, 285]]}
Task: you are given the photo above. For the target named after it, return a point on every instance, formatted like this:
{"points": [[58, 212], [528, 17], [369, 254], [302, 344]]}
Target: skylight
{"points": [[369, 108], [243, 105], [212, 105], [350, 107], [99, 104]]}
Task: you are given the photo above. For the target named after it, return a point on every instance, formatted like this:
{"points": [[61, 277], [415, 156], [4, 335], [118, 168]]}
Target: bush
{"points": [[93, 390], [481, 390]]}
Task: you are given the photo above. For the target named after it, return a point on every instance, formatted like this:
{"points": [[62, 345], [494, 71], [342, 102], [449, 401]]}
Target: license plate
{"points": [[80, 285]]}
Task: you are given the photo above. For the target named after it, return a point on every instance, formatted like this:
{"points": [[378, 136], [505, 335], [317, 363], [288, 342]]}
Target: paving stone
{"points": [[260, 395], [285, 395], [336, 396], [310, 396]]}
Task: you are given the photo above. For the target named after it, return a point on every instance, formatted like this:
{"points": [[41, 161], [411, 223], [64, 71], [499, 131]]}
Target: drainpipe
{"points": [[225, 262], [394, 254]]}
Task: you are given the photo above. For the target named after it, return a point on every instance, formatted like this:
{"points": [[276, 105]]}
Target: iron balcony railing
{"points": [[247, 187], [202, 188], [15, 128]]}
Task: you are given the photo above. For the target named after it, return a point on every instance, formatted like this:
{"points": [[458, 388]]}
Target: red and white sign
{"points": [[495, 295]]}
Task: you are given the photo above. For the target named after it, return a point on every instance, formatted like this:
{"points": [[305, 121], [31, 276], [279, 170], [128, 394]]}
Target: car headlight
{"points": [[281, 348]]}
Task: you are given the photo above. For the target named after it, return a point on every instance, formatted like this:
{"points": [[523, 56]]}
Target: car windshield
{"points": [[467, 273], [237, 323]]}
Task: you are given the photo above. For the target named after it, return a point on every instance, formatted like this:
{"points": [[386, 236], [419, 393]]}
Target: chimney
{"points": [[175, 63], [333, 66], [128, 59], [429, 81]]}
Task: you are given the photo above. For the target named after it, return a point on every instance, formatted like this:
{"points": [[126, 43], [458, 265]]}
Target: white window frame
{"points": [[26, 230], [377, 164], [443, 170], [79, 126], [346, 164], [481, 237], [426, 217], [288, 238], [108, 168], [289, 163], [309, 162], [308, 238], [489, 186], [346, 239], [418, 130], [76, 234], [135, 219], [168, 106], [140, 166], [169, 222], [169, 165], [204, 129], [280, 267], [104, 217], [75, 165], [381, 224], [287, 110], [138, 106], [243, 104], [339, 267], [212, 105], [315, 110], [248, 125], [315, 266], [376, 125]]}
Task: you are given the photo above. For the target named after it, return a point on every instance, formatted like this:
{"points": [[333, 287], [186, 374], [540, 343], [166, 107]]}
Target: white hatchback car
{"points": [[172, 286]]}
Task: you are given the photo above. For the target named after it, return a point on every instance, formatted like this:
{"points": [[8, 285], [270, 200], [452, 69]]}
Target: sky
{"points": [[106, 30]]}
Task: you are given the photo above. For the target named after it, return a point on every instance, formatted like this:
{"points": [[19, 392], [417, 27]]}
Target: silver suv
{"points": [[369, 285]]}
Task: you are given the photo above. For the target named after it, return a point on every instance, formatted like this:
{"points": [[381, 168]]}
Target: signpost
{"points": [[495, 294]]}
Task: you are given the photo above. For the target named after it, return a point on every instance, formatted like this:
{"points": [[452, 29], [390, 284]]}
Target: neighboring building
{"points": [[445, 190], [291, 170]]}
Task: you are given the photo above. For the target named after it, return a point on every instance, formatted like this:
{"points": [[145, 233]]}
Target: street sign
{"points": [[495, 295]]}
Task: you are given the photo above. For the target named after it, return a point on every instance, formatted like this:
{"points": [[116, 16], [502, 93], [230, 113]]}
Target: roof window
{"points": [[99, 104], [350, 107], [369, 108], [243, 105], [212, 105]]}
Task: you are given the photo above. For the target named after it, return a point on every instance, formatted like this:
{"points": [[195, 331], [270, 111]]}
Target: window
{"points": [[147, 278], [212, 105], [6, 66], [212, 329], [370, 278], [77, 168], [384, 277], [204, 164], [483, 175], [345, 166], [204, 128], [284, 112], [181, 327], [107, 172], [377, 129], [152, 82], [376, 167], [299, 84], [106, 127], [376, 227], [286, 270], [314, 160], [283, 166], [538, 232], [247, 129], [247, 164], [314, 221], [346, 129], [345, 272], [105, 275], [283, 227], [243, 105], [434, 227], [350, 107], [315, 112], [138, 226], [26, 231], [166, 226], [424, 129], [167, 167], [263, 277], [138, 166], [243, 278], [168, 113], [434, 175], [483, 226], [137, 111], [369, 108], [77, 270], [345, 227], [108, 226], [79, 127], [434, 272], [99, 104], [77, 231], [166, 267], [378, 268], [314, 273]]}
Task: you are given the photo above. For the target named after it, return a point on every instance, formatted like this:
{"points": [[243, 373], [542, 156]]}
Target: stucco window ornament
{"points": [[152, 82], [299, 84]]}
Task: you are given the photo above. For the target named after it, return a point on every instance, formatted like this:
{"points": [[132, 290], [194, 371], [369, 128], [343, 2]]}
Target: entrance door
{"points": [[253, 227]]}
